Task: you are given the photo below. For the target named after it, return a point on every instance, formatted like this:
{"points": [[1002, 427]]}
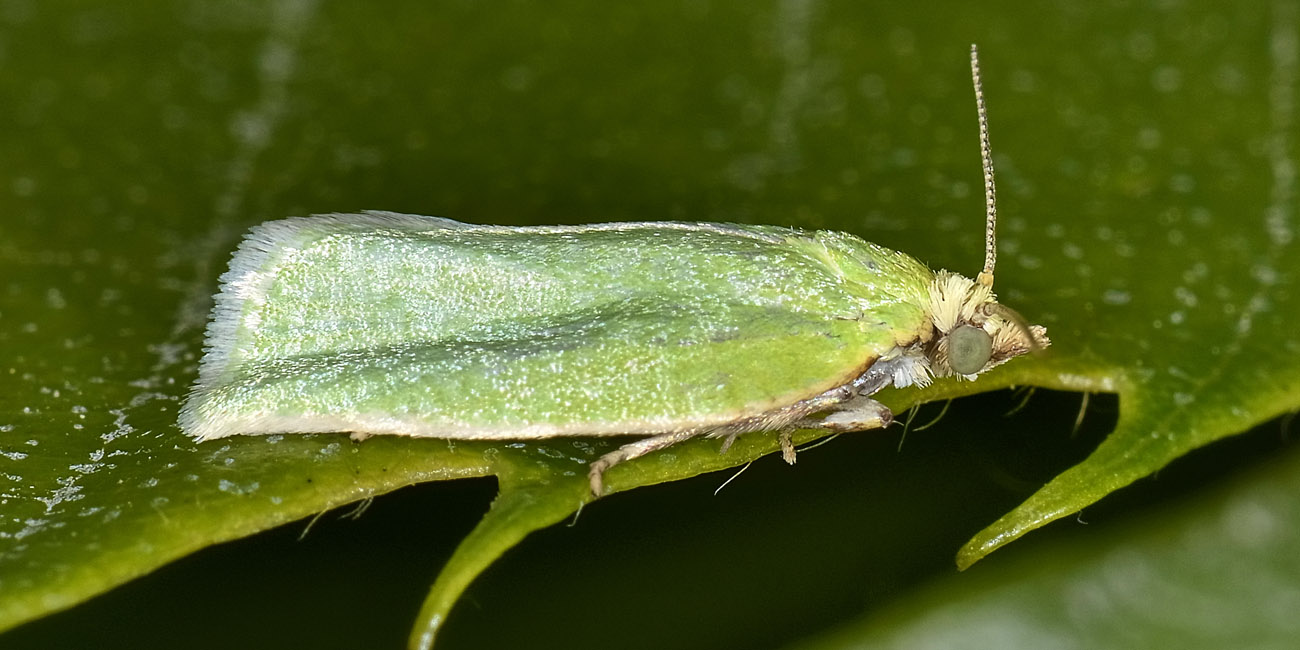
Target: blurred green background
{"points": [[1146, 164]]}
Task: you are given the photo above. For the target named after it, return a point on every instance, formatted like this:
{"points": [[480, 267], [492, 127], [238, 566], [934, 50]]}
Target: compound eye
{"points": [[969, 349]]}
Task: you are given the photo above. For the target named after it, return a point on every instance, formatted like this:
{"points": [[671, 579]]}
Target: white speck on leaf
{"points": [[54, 299], [232, 487], [1116, 297], [1265, 275], [67, 491]]}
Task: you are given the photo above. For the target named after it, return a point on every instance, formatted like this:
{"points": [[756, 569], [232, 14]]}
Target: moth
{"points": [[381, 323]]}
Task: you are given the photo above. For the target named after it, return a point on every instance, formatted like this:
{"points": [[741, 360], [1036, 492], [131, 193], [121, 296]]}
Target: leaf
{"points": [[1215, 571], [1183, 277], [1147, 198]]}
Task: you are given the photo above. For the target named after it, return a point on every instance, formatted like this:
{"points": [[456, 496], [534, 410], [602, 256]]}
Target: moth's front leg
{"points": [[860, 413]]}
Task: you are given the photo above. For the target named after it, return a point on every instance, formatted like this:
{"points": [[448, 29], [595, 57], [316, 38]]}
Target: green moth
{"points": [[385, 323]]}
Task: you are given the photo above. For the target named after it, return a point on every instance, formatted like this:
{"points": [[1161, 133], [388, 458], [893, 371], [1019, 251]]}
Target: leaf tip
{"points": [[1013, 526]]}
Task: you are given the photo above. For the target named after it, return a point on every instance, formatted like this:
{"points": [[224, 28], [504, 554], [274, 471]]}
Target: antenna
{"points": [[990, 190]]}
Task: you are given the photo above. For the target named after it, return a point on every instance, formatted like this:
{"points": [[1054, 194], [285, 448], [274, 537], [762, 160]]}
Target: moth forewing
{"points": [[382, 323], [523, 333]]}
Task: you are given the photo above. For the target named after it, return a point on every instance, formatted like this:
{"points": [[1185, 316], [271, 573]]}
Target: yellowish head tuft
{"points": [[974, 332]]}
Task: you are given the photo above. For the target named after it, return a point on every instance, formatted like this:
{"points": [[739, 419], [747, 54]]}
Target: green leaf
{"points": [[1215, 571], [1146, 163]]}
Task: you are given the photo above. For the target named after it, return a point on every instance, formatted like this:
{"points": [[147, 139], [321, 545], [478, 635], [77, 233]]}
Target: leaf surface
{"points": [[1147, 189]]}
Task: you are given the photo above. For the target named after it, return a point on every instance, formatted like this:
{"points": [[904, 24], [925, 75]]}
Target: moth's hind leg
{"points": [[633, 450], [847, 412]]}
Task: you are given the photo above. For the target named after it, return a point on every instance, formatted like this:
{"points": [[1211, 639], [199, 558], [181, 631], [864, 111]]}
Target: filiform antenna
{"points": [[990, 190]]}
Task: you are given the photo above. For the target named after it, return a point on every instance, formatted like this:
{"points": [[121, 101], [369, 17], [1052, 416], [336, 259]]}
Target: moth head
{"points": [[973, 331]]}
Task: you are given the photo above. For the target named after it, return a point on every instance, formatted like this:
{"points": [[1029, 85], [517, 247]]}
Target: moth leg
{"points": [[858, 414], [726, 443], [783, 437], [787, 445], [633, 450], [787, 419]]}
